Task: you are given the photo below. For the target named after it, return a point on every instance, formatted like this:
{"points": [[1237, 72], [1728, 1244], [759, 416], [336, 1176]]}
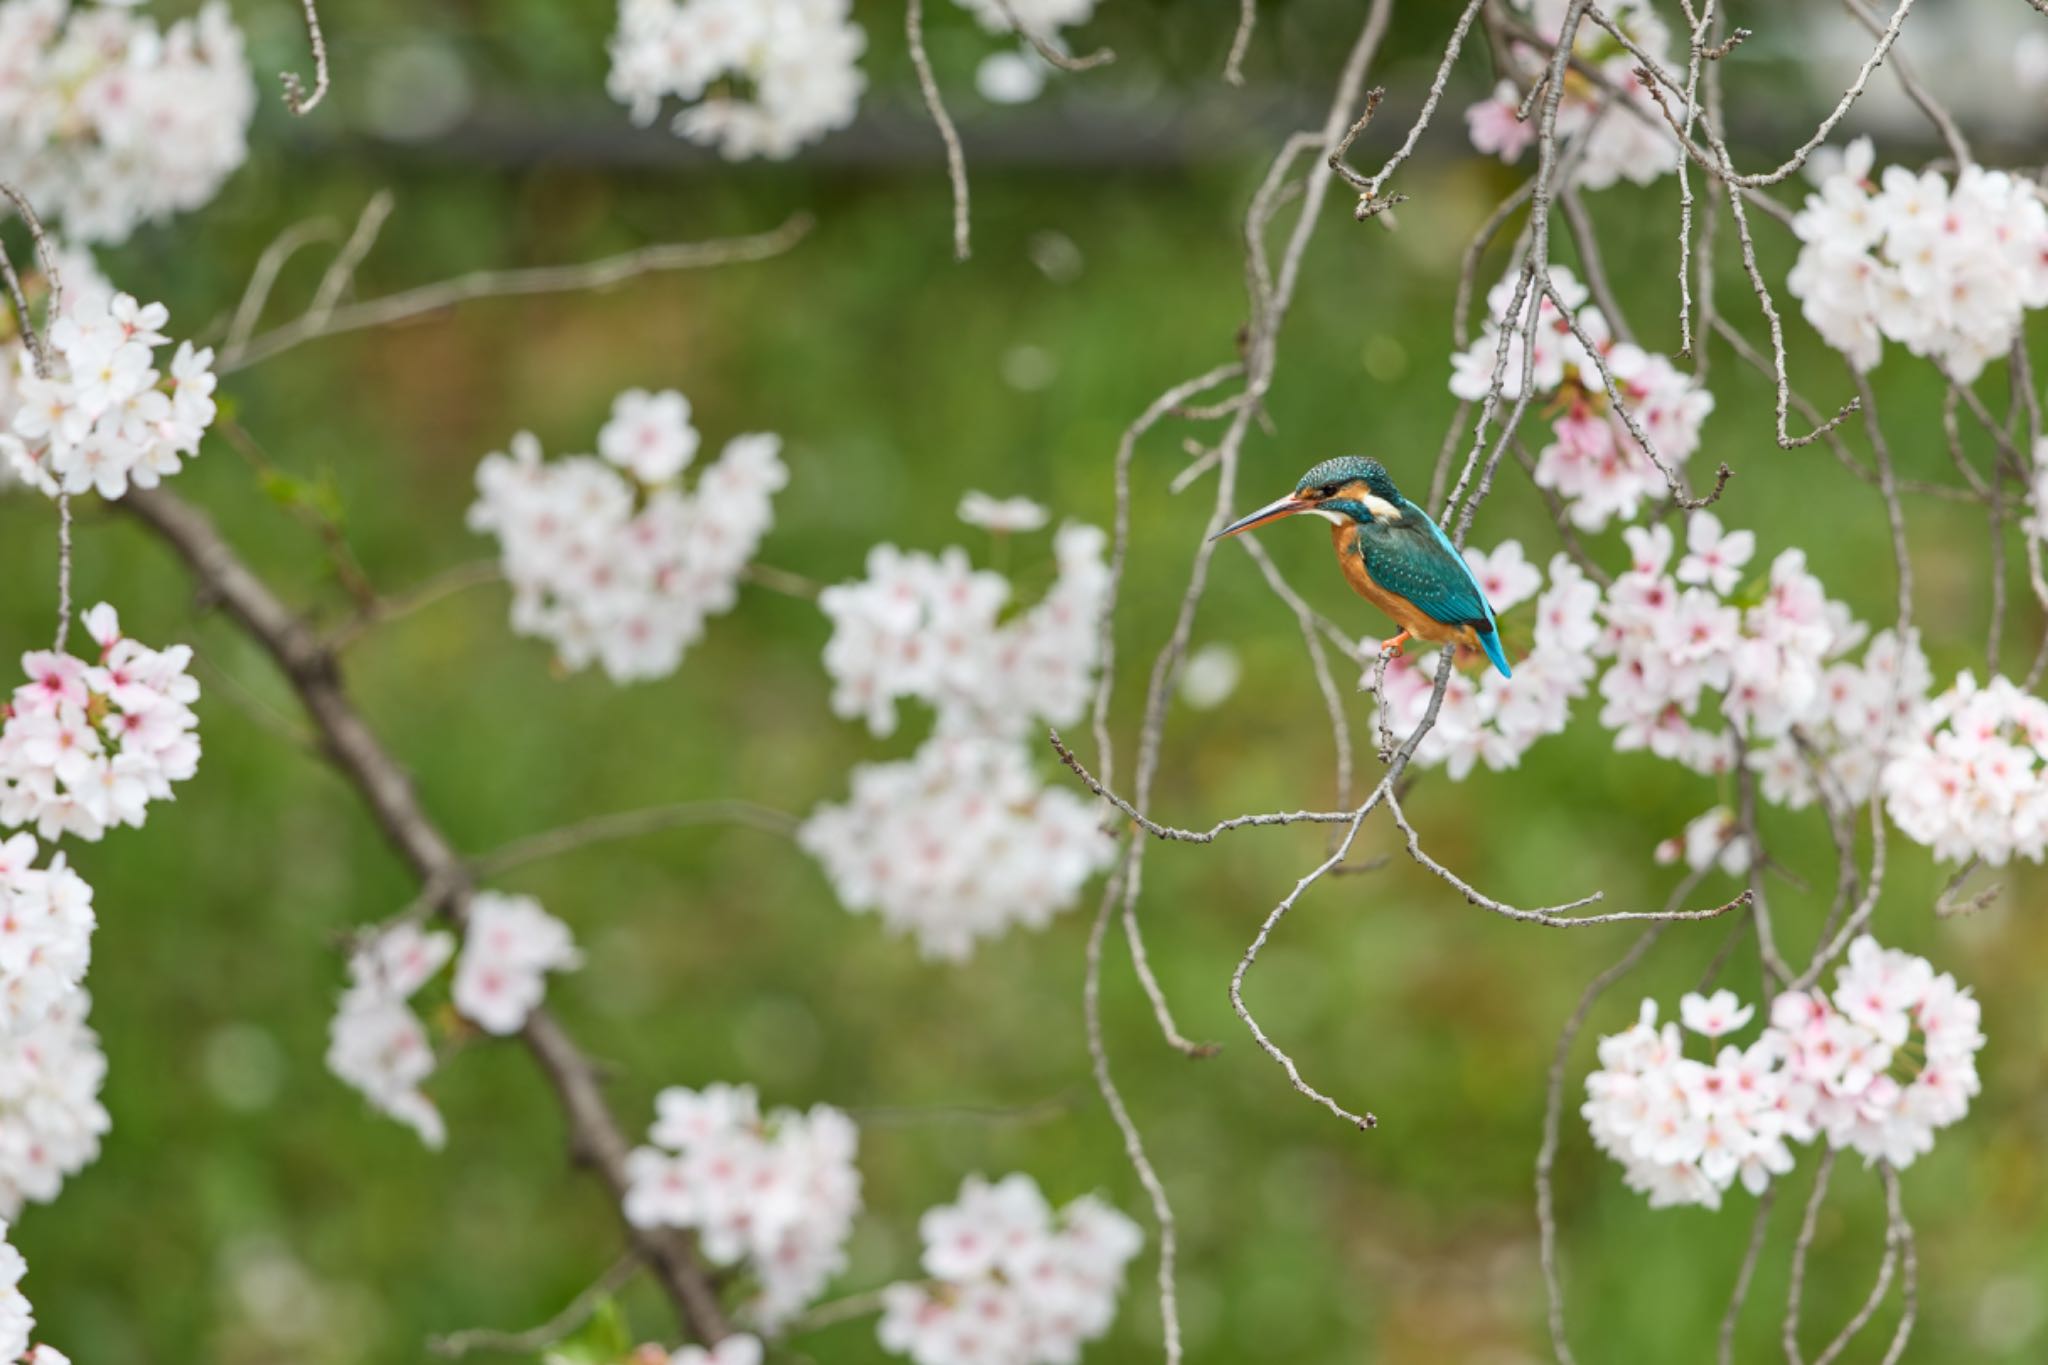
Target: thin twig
{"points": [[956, 160], [387, 608], [630, 824], [537, 1339], [1796, 1283], [548, 279], [295, 97], [1241, 41], [1758, 1226], [1053, 56]]}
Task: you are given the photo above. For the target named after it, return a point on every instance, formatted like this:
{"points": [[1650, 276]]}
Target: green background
{"points": [[249, 1208]]}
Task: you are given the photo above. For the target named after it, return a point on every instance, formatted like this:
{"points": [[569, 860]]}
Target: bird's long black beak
{"points": [[1272, 511]]}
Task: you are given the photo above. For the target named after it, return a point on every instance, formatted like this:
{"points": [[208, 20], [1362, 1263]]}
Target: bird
{"points": [[1392, 554]]}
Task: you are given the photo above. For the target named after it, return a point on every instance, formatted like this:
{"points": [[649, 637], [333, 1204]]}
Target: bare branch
{"points": [[1796, 1284], [595, 1138], [1189, 836], [956, 160], [549, 279], [1758, 1226], [1102, 56], [1552, 916], [295, 97], [1272, 1049], [263, 278], [342, 272], [1241, 41], [1134, 1141], [630, 824]]}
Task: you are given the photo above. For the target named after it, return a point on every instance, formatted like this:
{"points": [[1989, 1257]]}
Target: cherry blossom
{"points": [[1595, 463], [51, 1120], [623, 573], [1011, 1281], [775, 1194], [796, 62], [108, 121], [1945, 271], [1711, 839], [1002, 515], [1968, 779], [1877, 1067], [46, 925], [649, 435], [17, 1318], [959, 843], [1607, 143], [106, 417], [509, 944], [1495, 125], [88, 746], [1210, 676], [1013, 77], [375, 1042], [1042, 17], [1714, 559], [1710, 1016], [1779, 673], [927, 627]]}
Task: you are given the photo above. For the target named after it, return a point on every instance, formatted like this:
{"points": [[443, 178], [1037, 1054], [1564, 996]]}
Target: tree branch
{"points": [[311, 667]]}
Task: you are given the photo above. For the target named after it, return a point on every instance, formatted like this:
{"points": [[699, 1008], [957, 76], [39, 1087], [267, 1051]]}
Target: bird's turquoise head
{"points": [[1348, 488]]}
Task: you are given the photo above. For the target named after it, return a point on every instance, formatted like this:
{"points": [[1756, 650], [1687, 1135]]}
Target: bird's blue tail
{"points": [[1489, 640]]}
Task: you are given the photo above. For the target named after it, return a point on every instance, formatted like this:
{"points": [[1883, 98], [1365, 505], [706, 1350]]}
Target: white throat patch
{"points": [[1380, 507]]}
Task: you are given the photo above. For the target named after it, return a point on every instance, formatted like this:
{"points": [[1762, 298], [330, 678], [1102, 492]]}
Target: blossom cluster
{"points": [[1490, 718], [105, 417], [1012, 1283], [87, 746], [1774, 664], [958, 843], [46, 925], [108, 121], [380, 1046], [17, 1318], [623, 571], [51, 1119], [757, 77], [927, 627], [1876, 1067], [1630, 142], [1967, 779], [509, 944], [962, 840], [1945, 271], [775, 1192], [375, 1042], [1595, 462]]}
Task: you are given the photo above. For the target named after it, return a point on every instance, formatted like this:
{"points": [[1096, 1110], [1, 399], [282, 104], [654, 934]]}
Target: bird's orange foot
{"points": [[1393, 646]]}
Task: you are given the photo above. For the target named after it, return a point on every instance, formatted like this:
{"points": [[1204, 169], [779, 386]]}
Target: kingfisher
{"points": [[1392, 554]]}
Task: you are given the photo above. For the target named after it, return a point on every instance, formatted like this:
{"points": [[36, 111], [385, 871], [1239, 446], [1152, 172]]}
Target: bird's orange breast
{"points": [[1405, 613]]}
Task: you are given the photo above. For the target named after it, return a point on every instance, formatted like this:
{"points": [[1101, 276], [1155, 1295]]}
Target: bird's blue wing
{"points": [[1413, 557]]}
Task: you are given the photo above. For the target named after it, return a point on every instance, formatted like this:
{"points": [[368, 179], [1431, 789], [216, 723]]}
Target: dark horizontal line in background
{"points": [[1077, 133]]}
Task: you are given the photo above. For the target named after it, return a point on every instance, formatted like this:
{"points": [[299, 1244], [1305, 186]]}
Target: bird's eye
{"points": [[1328, 490]]}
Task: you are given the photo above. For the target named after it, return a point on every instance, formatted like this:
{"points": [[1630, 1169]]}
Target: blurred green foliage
{"points": [[248, 1208]]}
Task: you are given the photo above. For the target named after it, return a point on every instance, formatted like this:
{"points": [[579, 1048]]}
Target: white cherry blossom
{"points": [[755, 77]]}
